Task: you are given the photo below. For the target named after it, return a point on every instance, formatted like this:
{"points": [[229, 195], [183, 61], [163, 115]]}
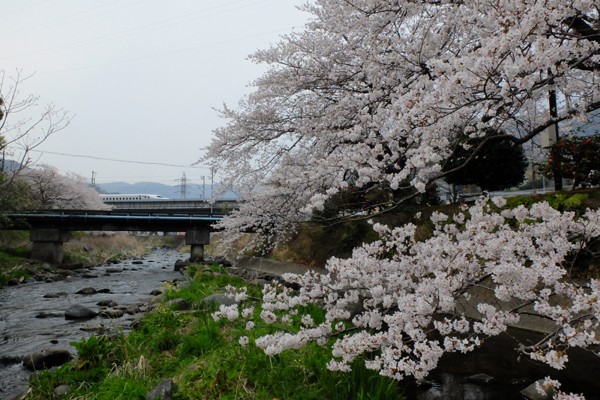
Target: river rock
{"points": [[87, 290], [55, 295], [93, 327], [132, 309], [180, 304], [10, 359], [45, 314], [107, 303], [137, 262], [46, 359], [111, 313], [180, 265], [220, 299], [104, 290], [222, 262], [71, 267], [164, 391], [156, 292], [61, 391], [79, 312], [114, 270], [531, 392]]}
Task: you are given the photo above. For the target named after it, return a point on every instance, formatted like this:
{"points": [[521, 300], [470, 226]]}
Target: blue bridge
{"points": [[49, 229]]}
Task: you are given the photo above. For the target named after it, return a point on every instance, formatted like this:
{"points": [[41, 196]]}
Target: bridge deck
{"points": [[81, 220]]}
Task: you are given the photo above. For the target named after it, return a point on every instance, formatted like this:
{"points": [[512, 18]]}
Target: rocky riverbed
{"points": [[40, 318]]}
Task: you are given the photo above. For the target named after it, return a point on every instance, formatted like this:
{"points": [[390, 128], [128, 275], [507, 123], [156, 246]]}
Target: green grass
{"points": [[13, 265], [204, 359]]}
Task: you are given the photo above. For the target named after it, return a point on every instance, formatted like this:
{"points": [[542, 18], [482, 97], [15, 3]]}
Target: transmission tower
{"points": [[183, 186]]}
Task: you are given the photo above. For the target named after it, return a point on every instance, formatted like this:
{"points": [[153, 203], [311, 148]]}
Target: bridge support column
{"points": [[197, 238], [48, 244]]}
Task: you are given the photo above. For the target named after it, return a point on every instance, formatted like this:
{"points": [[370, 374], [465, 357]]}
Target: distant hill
{"points": [[10, 165], [172, 192]]}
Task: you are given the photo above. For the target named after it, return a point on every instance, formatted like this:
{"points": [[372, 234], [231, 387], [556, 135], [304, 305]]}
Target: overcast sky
{"points": [[141, 76]]}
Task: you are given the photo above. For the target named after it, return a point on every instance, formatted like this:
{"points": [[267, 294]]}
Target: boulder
{"points": [[78, 311], [113, 270], [180, 304], [87, 291], [538, 391], [222, 262], [132, 309], [61, 391], [45, 359], [107, 303], [55, 295], [71, 267], [111, 313], [164, 391], [180, 265]]}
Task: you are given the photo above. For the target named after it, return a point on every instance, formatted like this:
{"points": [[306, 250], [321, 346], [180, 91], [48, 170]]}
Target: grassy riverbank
{"points": [[180, 340], [316, 242]]}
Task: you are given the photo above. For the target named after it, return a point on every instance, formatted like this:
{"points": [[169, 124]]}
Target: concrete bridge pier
{"points": [[48, 244], [197, 238]]}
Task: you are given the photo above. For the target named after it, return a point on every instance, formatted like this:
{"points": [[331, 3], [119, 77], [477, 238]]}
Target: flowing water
{"points": [[22, 331]]}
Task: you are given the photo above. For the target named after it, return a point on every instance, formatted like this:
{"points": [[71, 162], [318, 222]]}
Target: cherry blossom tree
{"points": [[51, 190], [400, 304], [376, 94], [23, 127], [382, 90]]}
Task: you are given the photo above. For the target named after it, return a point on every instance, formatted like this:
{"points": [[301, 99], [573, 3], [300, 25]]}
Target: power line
{"points": [[168, 53], [120, 160], [66, 19], [162, 24]]}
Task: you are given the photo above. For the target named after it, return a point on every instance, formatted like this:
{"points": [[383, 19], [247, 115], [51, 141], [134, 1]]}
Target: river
{"points": [[128, 283]]}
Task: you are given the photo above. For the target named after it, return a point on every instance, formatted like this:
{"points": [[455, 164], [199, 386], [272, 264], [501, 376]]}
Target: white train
{"points": [[113, 198]]}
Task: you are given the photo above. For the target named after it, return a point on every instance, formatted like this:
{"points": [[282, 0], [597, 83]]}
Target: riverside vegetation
{"points": [[203, 357]]}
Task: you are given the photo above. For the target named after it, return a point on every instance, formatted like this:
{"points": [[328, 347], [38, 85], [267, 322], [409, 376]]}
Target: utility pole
{"points": [[203, 188], [94, 173], [212, 188], [554, 134]]}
